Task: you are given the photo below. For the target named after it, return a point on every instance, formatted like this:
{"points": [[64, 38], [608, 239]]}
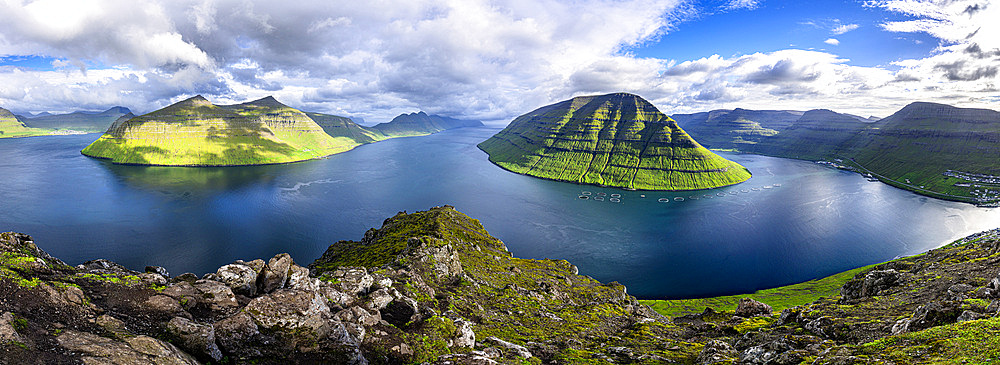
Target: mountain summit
{"points": [[618, 140]]}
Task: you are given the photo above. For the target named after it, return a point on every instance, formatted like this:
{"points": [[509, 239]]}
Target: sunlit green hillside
{"points": [[194, 132], [618, 140]]}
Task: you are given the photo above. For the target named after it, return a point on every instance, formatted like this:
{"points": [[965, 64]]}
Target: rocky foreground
{"points": [[435, 287]]}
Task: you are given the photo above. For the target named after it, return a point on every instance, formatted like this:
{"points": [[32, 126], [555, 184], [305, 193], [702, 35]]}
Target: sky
{"points": [[495, 60]]}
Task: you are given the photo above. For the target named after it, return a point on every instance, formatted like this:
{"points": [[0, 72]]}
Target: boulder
{"points": [[237, 334], [93, 349], [185, 277], [873, 283], [8, 333], [157, 270], [510, 348], [195, 338], [751, 308], [273, 276], [934, 314], [299, 279], [466, 336], [113, 325], [103, 266], [400, 312], [242, 279], [716, 351], [969, 316]]}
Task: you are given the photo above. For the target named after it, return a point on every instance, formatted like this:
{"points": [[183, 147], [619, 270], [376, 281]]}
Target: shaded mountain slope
{"points": [[343, 127], [734, 129], [918, 146], [78, 121], [932, 149], [434, 287], [618, 140], [420, 123]]}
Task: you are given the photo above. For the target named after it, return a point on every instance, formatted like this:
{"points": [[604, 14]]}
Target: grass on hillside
{"points": [[778, 298], [609, 140]]}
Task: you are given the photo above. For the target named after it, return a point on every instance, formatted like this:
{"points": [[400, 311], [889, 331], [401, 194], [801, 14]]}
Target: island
{"points": [[617, 140], [195, 132]]}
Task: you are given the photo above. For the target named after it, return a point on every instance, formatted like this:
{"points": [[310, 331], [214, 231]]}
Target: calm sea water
{"points": [[819, 221]]}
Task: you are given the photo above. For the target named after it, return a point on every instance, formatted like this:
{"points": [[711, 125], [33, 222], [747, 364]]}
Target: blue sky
{"points": [[776, 25], [496, 59]]}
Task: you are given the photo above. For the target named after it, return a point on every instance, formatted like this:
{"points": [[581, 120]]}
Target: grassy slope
{"points": [[337, 126], [918, 143], [11, 127], [615, 140], [923, 140], [778, 298], [196, 133]]}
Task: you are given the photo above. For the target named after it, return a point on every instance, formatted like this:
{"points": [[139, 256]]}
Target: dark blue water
{"points": [[817, 222]]}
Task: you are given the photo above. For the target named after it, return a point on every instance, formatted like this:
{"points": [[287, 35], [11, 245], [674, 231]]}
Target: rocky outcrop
{"points": [[433, 287], [432, 292]]}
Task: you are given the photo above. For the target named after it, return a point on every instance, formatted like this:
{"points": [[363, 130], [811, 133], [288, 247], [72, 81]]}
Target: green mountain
{"points": [[78, 121], [935, 149], [434, 287], [194, 132], [343, 127], [10, 125], [735, 129], [419, 124], [618, 140], [932, 149]]}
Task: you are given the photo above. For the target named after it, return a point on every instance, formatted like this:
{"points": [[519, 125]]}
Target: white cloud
{"points": [[483, 59], [844, 28], [741, 4], [491, 60], [832, 41]]}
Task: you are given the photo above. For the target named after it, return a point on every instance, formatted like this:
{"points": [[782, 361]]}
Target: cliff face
{"points": [[434, 287], [618, 140]]}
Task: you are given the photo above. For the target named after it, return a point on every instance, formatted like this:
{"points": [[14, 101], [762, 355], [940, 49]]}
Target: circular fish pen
{"points": [[678, 199], [693, 197], [600, 198], [663, 200], [777, 185], [584, 197], [755, 189], [602, 194], [615, 200], [720, 194], [585, 193], [616, 195]]}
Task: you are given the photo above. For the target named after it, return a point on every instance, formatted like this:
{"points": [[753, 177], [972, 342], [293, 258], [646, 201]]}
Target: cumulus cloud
{"points": [[483, 59], [489, 60], [832, 41]]}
